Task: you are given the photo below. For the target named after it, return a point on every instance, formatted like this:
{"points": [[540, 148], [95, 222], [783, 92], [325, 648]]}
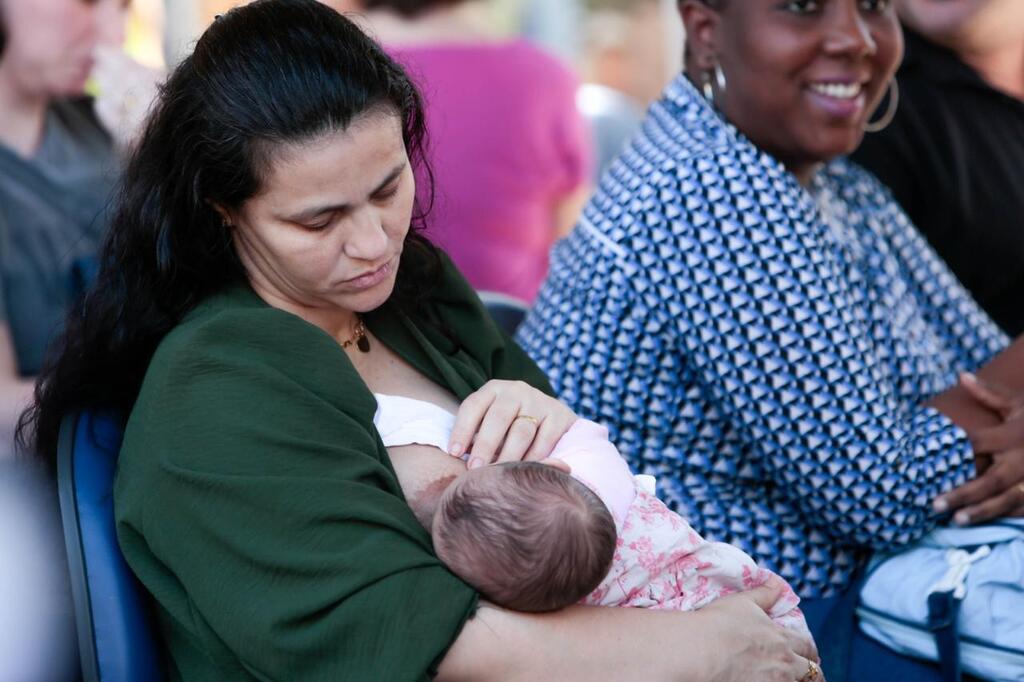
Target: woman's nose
{"points": [[848, 33], [367, 240]]}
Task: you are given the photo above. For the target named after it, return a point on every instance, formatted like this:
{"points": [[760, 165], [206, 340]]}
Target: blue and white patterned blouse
{"points": [[762, 348]]}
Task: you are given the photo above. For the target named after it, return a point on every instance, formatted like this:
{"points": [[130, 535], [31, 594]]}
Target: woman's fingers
{"points": [[1006, 436], [806, 669], [548, 434], [993, 396], [1006, 475], [802, 645], [467, 421], [1002, 504], [972, 492], [518, 439], [508, 421], [765, 595], [492, 432]]}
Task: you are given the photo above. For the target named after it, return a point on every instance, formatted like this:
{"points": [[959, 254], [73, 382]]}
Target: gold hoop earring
{"points": [[890, 112]]}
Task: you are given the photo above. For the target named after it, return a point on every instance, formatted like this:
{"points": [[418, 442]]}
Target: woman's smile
{"points": [[842, 99]]}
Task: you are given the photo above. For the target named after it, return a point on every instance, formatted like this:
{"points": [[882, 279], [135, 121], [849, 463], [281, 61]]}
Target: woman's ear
{"points": [[700, 22], [226, 217]]}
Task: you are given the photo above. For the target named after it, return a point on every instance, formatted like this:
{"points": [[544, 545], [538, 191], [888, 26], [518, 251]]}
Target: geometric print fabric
{"points": [[762, 348]]}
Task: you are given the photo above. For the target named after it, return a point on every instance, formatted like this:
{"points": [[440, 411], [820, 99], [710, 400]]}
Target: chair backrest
{"points": [[117, 638], [507, 311]]}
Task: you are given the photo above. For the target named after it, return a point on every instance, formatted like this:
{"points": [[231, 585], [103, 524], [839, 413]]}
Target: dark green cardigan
{"points": [[256, 502]]}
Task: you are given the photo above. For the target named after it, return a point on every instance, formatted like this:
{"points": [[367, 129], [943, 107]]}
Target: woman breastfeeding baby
{"points": [[576, 526], [263, 279]]}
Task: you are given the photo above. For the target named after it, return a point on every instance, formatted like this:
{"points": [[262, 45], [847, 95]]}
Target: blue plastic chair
{"points": [[117, 639], [507, 311]]}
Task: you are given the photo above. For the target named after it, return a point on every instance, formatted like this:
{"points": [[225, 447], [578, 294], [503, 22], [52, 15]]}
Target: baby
{"points": [[575, 528]]}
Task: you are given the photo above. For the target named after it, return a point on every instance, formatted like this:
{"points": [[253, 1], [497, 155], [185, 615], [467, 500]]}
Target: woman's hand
{"points": [[757, 648], [508, 421], [999, 488]]}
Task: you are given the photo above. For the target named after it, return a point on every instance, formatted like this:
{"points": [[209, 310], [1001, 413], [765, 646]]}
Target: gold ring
{"points": [[813, 672], [536, 422]]}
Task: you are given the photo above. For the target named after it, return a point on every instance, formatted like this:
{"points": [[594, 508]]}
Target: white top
{"points": [[407, 421]]}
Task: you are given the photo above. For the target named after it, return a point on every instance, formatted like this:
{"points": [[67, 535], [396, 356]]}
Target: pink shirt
{"points": [[506, 145]]}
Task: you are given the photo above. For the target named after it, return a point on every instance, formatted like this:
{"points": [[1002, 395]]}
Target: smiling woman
{"points": [[798, 77], [760, 326]]}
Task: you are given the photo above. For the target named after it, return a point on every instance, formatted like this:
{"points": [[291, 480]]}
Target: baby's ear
{"points": [[559, 464]]}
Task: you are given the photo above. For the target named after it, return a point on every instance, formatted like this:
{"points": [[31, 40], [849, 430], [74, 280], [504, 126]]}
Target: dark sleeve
{"points": [[251, 473]]}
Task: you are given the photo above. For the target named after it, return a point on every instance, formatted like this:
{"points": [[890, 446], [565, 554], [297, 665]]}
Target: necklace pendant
{"points": [[363, 344]]}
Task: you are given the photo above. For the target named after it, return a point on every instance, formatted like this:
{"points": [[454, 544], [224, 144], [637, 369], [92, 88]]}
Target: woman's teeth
{"points": [[838, 90]]}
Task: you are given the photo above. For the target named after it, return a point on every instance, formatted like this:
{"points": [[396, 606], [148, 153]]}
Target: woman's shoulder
{"points": [[237, 320], [235, 359], [236, 380]]}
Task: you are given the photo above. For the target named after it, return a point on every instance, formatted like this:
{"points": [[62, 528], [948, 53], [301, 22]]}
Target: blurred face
{"points": [[803, 76], [966, 24], [324, 236], [50, 43]]}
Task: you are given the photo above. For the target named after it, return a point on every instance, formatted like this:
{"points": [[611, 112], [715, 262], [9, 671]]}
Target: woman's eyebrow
{"points": [[315, 211]]}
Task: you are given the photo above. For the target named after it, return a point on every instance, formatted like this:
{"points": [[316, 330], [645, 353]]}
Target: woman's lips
{"points": [[844, 100], [370, 279]]}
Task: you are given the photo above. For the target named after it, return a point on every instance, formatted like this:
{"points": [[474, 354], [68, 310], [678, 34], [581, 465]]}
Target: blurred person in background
{"points": [[57, 168], [953, 156], [627, 61], [510, 152]]}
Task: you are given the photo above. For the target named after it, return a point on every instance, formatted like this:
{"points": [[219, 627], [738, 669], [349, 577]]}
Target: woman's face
{"points": [[50, 43], [324, 236], [802, 76], [966, 24]]}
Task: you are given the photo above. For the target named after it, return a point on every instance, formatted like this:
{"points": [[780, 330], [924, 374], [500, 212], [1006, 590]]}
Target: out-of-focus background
{"points": [[624, 51]]}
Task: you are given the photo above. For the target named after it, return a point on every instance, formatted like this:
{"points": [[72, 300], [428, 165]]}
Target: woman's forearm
{"points": [[1006, 369], [578, 643]]}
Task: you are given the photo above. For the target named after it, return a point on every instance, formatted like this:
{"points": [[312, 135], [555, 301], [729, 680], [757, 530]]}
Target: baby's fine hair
{"points": [[528, 536]]}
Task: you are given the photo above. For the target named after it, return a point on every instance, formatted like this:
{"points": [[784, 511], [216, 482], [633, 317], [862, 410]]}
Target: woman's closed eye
{"points": [[387, 192], [320, 225]]}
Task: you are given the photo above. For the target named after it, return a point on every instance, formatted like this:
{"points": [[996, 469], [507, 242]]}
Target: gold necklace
{"points": [[359, 338]]}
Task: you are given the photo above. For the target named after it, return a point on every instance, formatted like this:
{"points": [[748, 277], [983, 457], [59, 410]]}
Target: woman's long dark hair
{"points": [[265, 74]]}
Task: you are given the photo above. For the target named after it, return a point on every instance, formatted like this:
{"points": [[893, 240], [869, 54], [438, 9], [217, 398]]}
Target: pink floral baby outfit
{"points": [[660, 561]]}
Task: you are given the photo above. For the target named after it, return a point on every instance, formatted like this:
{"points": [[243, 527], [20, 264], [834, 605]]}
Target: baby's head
{"points": [[528, 535]]}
